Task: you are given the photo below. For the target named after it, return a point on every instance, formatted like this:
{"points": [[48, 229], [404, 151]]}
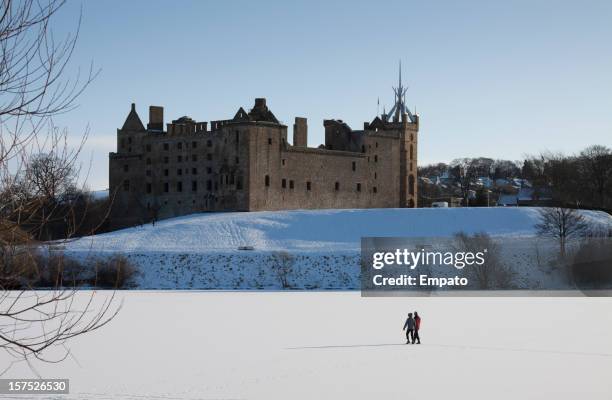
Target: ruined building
{"points": [[246, 163]]}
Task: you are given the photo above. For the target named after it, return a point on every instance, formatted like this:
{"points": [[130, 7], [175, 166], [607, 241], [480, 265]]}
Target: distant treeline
{"points": [[582, 180]]}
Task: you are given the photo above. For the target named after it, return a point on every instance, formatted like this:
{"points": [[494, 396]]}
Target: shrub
{"points": [[591, 267], [282, 265], [115, 272]]}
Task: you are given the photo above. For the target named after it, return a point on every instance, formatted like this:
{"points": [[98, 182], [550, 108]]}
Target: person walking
{"points": [[417, 326], [409, 328]]}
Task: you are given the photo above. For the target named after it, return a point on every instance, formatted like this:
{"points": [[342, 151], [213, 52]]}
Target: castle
{"points": [[247, 164]]}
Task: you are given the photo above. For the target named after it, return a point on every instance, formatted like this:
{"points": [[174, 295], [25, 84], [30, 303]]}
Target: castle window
{"points": [[267, 180], [129, 140], [148, 172], [126, 168], [359, 187], [166, 188], [374, 189], [194, 186], [375, 175], [166, 146], [179, 171], [363, 149], [148, 147], [308, 185], [283, 161], [375, 158], [231, 179], [291, 184], [130, 149], [209, 170], [194, 171], [194, 144], [148, 161], [269, 140], [354, 166], [179, 145], [237, 160], [238, 183], [216, 186], [376, 144], [166, 172], [179, 186], [148, 188], [411, 152], [284, 183], [126, 185], [411, 184], [209, 185], [209, 157], [237, 137], [337, 186], [179, 158], [209, 143], [166, 159], [226, 179], [194, 157]]}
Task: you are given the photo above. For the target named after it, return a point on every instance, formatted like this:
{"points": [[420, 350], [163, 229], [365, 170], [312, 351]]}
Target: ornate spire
{"points": [[399, 107]]}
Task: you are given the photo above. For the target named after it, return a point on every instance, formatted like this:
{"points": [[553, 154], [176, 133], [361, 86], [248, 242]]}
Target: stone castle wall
{"points": [[247, 164]]}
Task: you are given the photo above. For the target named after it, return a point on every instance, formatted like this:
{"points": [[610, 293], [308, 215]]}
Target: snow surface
{"points": [[338, 345], [200, 251], [313, 230]]}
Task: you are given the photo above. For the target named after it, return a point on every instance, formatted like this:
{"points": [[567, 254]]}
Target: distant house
{"points": [[526, 196], [507, 200], [484, 181], [530, 197]]}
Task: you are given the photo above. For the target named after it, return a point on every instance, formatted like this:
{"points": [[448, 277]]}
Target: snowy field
{"points": [[313, 230], [334, 345], [201, 251]]}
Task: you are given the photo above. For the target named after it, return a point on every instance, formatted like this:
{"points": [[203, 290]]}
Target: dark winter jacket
{"points": [[409, 323]]}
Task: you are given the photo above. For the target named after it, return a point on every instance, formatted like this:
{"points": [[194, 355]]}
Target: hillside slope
{"points": [[202, 250], [313, 230]]}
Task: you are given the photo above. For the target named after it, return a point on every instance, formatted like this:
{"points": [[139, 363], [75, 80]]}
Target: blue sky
{"points": [[497, 79]]}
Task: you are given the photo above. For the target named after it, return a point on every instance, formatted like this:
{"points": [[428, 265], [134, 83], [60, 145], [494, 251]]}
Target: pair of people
{"points": [[412, 326]]}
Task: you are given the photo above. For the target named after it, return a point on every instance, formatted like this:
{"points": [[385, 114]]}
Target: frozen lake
{"points": [[317, 345]]}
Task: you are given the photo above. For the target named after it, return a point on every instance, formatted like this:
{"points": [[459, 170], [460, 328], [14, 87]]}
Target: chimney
{"points": [[260, 102], [156, 118], [300, 132]]}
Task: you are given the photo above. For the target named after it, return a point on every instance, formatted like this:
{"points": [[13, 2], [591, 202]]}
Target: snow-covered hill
{"points": [[313, 230], [202, 250]]}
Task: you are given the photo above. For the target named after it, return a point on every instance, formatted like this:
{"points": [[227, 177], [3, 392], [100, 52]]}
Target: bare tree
{"points": [[562, 224], [596, 167], [282, 265], [36, 169], [466, 170], [493, 273]]}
